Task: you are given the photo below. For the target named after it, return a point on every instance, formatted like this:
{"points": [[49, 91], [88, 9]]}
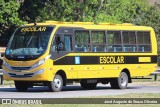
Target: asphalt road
{"points": [[76, 91]]}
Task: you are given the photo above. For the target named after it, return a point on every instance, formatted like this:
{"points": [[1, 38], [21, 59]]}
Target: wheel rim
{"points": [[57, 83], [123, 80]]}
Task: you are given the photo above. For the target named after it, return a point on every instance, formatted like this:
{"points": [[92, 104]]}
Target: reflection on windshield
{"points": [[29, 41]]}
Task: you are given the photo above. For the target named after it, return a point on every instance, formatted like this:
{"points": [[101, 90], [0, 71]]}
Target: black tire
{"points": [[57, 83], [121, 82], [86, 85], [21, 86]]}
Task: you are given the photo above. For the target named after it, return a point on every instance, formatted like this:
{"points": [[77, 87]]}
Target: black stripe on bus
{"points": [[83, 60]]}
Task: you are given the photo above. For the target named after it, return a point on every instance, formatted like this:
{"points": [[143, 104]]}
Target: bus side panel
{"points": [[70, 71], [105, 71], [112, 71]]}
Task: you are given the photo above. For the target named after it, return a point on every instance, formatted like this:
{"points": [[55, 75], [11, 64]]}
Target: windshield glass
{"points": [[29, 41]]}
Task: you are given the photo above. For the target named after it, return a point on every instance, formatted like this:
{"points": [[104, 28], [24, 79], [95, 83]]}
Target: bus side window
{"points": [[58, 43], [129, 41], [82, 41], [114, 41], [98, 41], [144, 44]]}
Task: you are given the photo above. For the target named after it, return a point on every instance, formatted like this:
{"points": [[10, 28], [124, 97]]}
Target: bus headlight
{"points": [[40, 62], [6, 65]]}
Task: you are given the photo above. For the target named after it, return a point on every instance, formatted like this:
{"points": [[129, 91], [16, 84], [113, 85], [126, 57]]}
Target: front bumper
{"points": [[39, 75]]}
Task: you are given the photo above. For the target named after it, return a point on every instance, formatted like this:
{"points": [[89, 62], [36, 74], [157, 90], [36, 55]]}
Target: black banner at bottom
{"points": [[79, 100]]}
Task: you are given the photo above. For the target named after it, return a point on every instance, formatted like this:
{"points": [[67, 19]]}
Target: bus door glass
{"points": [[67, 42]]}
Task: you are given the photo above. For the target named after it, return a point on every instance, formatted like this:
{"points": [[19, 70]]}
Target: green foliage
{"points": [[150, 17], [8, 16], [138, 12]]}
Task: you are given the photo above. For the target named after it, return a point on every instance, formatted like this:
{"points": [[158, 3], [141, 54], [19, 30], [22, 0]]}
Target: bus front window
{"points": [[29, 41]]}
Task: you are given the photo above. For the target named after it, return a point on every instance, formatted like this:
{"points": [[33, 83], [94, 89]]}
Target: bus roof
{"points": [[91, 25]]}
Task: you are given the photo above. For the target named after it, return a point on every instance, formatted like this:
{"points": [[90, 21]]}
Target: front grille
{"points": [[21, 76], [20, 68]]}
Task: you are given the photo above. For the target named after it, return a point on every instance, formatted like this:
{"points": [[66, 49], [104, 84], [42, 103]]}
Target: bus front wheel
{"points": [[121, 82], [57, 83], [86, 85], [21, 86]]}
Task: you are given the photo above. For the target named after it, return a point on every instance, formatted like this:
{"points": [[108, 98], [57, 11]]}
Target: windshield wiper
{"points": [[25, 48], [29, 41], [27, 44]]}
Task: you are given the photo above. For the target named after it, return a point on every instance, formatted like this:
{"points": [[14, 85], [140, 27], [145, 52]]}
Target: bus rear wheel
{"points": [[86, 85], [21, 86], [57, 83], [121, 82]]}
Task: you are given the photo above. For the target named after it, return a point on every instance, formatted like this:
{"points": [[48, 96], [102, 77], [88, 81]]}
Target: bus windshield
{"points": [[29, 41]]}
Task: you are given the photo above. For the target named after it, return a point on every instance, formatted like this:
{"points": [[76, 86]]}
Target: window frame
{"points": [[143, 44], [113, 41], [104, 44], [89, 42], [122, 45]]}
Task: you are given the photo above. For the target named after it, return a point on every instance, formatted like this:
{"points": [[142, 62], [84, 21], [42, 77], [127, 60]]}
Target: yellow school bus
{"points": [[55, 54]]}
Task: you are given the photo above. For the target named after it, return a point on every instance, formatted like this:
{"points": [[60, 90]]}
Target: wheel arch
{"points": [[63, 75], [128, 73]]}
